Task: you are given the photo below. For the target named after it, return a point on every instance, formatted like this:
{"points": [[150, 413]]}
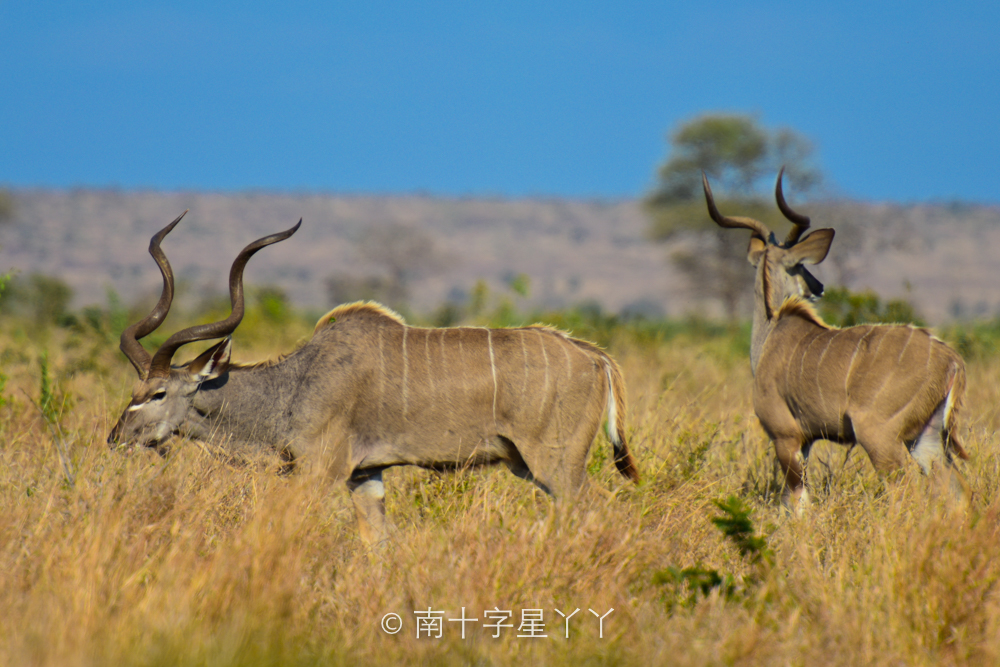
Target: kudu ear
{"points": [[810, 250], [211, 363]]}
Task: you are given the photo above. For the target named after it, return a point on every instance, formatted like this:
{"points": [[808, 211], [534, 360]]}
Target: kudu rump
{"points": [[367, 392], [890, 388]]}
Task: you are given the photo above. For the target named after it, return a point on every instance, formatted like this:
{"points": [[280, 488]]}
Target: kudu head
{"points": [[163, 401], [780, 266]]}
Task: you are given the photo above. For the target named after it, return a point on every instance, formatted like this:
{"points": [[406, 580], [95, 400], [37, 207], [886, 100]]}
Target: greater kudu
{"points": [[367, 392], [891, 388]]}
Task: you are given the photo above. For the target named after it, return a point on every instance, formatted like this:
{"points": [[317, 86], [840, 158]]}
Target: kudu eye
{"points": [[158, 395]]}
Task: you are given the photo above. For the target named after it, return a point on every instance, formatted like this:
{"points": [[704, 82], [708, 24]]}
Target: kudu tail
{"points": [[616, 420], [952, 409]]}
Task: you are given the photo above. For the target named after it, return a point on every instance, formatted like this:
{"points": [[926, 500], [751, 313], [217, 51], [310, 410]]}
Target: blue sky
{"points": [[505, 99]]}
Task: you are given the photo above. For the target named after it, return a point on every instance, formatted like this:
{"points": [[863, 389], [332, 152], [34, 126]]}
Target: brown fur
{"points": [[876, 385], [368, 392], [898, 374], [944, 367], [893, 389], [375, 312]]}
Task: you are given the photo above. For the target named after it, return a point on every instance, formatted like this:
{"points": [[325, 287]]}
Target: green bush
{"points": [[974, 340], [43, 299], [272, 302], [844, 308], [685, 584]]}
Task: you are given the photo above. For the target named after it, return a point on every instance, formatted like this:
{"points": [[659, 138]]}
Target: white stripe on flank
{"points": [[874, 357], [884, 332], [524, 353], [381, 377], [788, 366], [850, 366], [569, 364], [905, 345], [427, 356], [406, 372], [461, 359], [444, 360], [444, 357], [802, 358], [493, 368], [819, 365], [545, 356]]}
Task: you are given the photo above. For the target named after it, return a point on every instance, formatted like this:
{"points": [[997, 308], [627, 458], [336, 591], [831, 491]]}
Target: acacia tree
{"points": [[741, 158]]}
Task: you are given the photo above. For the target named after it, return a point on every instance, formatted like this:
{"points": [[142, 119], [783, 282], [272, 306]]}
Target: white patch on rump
{"points": [[612, 410]]}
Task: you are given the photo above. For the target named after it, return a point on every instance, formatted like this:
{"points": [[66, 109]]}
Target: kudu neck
{"points": [[765, 310], [249, 402]]}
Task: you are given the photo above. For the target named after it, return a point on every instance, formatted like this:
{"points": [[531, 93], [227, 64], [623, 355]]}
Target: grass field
{"points": [[108, 559]]}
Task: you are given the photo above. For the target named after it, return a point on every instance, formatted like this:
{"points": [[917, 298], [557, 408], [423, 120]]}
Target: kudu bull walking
{"points": [[890, 388], [368, 392]]}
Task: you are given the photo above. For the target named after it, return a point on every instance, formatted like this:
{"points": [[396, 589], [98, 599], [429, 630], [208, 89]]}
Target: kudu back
{"points": [[368, 392], [892, 388]]}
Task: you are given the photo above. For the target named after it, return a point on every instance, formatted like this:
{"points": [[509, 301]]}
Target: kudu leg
{"points": [[881, 442], [928, 450], [562, 473], [368, 494], [792, 459], [889, 453]]}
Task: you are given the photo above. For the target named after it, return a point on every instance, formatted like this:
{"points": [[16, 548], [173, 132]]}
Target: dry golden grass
{"points": [[190, 560]]}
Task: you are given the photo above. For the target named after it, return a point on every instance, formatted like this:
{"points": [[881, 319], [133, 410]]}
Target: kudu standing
{"points": [[891, 388], [368, 392]]}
